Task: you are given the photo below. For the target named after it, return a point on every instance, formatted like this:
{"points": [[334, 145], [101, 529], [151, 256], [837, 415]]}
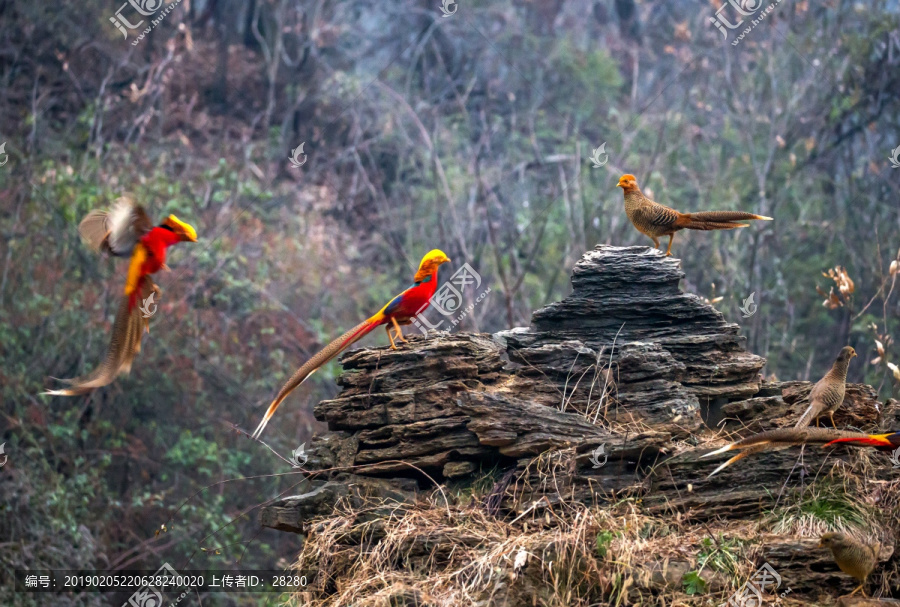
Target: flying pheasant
{"points": [[655, 220], [126, 230], [825, 397], [399, 311], [852, 556]]}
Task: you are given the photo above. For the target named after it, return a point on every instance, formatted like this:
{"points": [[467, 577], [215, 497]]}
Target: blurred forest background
{"points": [[471, 133]]}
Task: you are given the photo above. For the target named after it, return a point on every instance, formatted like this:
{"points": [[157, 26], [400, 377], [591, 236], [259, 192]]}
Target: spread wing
{"points": [[116, 231]]}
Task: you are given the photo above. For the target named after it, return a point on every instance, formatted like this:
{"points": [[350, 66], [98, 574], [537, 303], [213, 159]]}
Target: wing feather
{"points": [[116, 231], [657, 215]]}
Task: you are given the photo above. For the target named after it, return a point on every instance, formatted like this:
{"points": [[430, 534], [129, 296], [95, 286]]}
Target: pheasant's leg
{"points": [[387, 328], [669, 250], [831, 415], [655, 241], [858, 588], [817, 422], [399, 334]]}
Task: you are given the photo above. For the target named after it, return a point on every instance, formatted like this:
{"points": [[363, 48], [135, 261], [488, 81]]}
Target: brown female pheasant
{"points": [[655, 220], [828, 393], [825, 397], [855, 558]]}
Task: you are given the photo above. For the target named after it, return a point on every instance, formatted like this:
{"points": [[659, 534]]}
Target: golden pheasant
{"points": [[855, 558], [399, 311], [783, 438], [127, 230], [655, 220], [825, 397]]}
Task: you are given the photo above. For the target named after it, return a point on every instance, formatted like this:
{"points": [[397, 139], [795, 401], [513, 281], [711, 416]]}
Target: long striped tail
{"points": [[316, 362], [717, 220], [124, 345], [782, 438]]}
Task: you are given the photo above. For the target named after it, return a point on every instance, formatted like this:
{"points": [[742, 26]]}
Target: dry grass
{"points": [[560, 552], [565, 555]]}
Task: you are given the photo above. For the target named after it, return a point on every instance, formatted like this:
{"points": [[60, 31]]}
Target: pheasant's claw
{"points": [[397, 332]]}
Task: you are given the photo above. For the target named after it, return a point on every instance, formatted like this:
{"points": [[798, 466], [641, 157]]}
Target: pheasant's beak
{"points": [[185, 230]]}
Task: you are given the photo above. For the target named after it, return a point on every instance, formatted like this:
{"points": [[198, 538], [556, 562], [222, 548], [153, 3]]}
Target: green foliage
{"points": [[693, 584], [823, 506], [604, 539], [721, 554]]}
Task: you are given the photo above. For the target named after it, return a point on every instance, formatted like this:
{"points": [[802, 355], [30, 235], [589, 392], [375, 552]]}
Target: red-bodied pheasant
{"points": [[126, 230], [399, 311]]}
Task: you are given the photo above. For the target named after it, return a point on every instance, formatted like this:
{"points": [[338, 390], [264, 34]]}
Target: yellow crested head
{"points": [[185, 230], [430, 262], [434, 257]]}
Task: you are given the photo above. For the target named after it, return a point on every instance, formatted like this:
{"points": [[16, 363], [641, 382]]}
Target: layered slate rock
{"points": [[613, 387], [666, 351]]}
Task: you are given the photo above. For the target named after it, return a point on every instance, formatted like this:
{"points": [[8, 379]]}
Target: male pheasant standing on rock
{"points": [[655, 220], [853, 557], [399, 311]]}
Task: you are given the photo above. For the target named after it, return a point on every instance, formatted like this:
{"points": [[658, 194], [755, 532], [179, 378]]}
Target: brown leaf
{"points": [[895, 370]]}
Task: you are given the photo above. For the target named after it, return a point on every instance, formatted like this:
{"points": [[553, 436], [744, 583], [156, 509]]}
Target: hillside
{"points": [[464, 468]]}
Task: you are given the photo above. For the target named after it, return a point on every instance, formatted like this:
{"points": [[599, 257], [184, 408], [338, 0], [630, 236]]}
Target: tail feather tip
{"points": [[259, 429], [718, 451]]}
